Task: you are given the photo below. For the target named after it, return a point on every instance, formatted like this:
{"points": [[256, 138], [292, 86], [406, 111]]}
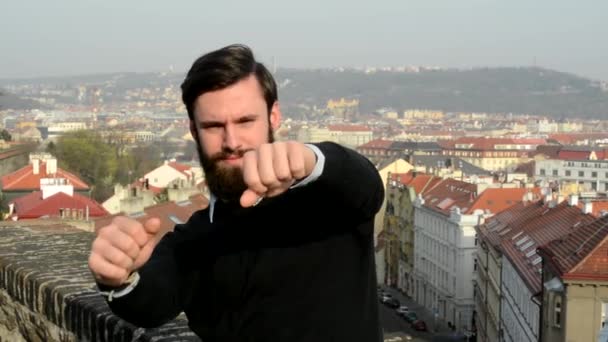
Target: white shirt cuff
{"points": [[316, 171]]}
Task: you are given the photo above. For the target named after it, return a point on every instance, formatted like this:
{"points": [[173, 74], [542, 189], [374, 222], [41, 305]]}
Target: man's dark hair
{"points": [[222, 68]]}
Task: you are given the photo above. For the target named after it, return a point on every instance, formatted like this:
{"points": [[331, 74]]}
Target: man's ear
{"points": [[275, 116]]}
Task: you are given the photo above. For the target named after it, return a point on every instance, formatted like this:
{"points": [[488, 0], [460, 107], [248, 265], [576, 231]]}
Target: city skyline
{"points": [[70, 38]]}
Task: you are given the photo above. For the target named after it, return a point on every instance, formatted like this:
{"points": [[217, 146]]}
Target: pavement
{"points": [[393, 324]]}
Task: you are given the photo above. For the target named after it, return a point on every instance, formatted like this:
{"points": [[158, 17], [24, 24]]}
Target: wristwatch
{"points": [[124, 289]]}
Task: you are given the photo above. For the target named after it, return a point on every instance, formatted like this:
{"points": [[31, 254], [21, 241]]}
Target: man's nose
{"points": [[231, 140]]}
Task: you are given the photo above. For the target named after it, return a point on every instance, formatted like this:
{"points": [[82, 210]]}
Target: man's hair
{"points": [[222, 68]]}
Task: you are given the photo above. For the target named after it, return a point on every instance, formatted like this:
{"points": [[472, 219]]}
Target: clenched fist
{"points": [[122, 247], [272, 168]]}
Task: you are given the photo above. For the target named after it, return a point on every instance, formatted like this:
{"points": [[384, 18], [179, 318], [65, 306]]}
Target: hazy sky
{"points": [[65, 37]]}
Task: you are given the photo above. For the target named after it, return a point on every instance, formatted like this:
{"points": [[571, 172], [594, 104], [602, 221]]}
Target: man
{"points": [[283, 252]]}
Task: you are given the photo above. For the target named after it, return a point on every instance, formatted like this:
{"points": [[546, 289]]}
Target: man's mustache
{"points": [[228, 154]]}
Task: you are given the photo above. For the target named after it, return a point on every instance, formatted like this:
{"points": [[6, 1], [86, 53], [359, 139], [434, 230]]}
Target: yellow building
{"points": [[418, 114], [401, 191], [347, 135], [492, 154], [343, 108]]}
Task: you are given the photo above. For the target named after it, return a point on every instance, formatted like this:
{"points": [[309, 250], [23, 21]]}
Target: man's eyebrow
{"points": [[247, 117], [210, 123], [218, 123]]}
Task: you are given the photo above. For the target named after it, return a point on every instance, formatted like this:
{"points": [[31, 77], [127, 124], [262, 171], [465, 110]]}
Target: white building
{"points": [[170, 171], [519, 314], [445, 245], [59, 128], [521, 279], [591, 175], [444, 254]]}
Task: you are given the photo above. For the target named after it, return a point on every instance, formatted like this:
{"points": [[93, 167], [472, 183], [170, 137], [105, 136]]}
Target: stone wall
{"points": [[48, 294]]}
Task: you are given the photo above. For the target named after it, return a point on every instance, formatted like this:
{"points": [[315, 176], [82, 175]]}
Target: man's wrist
{"points": [[122, 290]]}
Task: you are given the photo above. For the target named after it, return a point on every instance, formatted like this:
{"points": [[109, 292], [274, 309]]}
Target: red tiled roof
{"points": [[573, 155], [25, 179], [550, 224], [488, 144], [529, 141], [497, 200], [506, 223], [572, 138], [581, 254], [33, 206], [402, 178], [349, 128], [423, 183], [597, 206], [450, 193], [419, 181], [377, 143], [180, 167], [169, 213]]}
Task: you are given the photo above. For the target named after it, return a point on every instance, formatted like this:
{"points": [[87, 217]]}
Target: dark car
{"points": [[392, 303], [410, 316], [419, 325]]}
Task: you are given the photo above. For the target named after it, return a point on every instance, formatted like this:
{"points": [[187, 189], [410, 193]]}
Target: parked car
{"points": [[419, 325], [402, 310], [392, 303], [410, 316], [385, 297]]}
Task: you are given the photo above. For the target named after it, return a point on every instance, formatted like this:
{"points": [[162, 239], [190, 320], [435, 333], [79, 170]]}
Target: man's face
{"points": [[227, 123]]}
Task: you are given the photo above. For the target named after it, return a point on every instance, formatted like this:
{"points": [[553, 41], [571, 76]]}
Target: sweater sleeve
{"points": [[162, 289], [351, 180]]}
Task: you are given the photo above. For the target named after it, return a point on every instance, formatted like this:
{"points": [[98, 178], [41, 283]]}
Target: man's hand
{"points": [[271, 169], [122, 247]]}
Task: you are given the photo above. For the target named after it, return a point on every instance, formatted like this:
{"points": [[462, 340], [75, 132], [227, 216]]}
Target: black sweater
{"points": [[296, 267]]}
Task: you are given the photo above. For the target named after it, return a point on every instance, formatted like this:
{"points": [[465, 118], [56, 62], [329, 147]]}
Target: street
{"points": [[393, 324]]}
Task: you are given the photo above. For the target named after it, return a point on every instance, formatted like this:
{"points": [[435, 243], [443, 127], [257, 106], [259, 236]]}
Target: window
{"points": [[542, 172], [555, 172], [581, 173], [568, 173], [594, 174], [475, 264], [557, 312]]}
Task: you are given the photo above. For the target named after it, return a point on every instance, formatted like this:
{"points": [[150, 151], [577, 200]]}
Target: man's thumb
{"points": [[152, 226], [249, 198]]}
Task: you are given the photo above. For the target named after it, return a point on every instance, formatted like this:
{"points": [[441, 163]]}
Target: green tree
{"points": [[88, 155], [5, 135]]}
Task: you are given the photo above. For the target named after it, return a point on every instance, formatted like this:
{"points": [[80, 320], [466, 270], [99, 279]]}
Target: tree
{"points": [[5, 135], [88, 155]]}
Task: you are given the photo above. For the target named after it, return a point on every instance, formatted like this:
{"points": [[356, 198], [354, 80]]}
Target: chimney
{"points": [[86, 213], [51, 166], [587, 207], [36, 166], [573, 200]]}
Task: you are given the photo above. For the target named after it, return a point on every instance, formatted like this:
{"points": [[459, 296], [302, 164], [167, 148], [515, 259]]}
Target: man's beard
{"points": [[225, 182]]}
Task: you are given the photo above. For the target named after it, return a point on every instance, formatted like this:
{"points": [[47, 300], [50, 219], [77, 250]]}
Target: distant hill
{"points": [[494, 90], [519, 90], [14, 102]]}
